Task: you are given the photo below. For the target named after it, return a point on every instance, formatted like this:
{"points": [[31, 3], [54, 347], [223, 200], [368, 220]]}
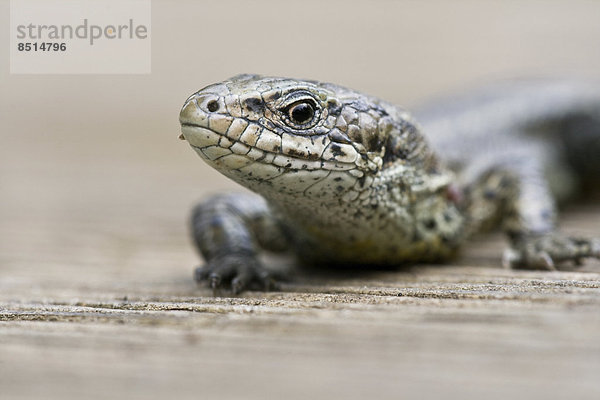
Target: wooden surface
{"points": [[96, 295], [97, 301]]}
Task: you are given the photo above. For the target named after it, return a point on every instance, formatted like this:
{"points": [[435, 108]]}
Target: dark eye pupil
{"points": [[212, 106], [301, 113]]}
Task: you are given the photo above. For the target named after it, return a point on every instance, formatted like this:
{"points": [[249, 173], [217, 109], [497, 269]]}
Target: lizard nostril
{"points": [[212, 105]]}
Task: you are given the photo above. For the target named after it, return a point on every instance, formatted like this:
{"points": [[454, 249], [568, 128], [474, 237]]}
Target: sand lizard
{"points": [[345, 178]]}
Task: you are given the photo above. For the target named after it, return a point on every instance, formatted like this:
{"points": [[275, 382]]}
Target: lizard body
{"points": [[346, 178]]}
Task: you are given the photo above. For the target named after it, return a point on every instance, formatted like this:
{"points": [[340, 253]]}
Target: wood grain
{"points": [[94, 307]]}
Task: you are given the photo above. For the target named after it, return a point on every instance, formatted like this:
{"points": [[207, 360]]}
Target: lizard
{"points": [[343, 178]]}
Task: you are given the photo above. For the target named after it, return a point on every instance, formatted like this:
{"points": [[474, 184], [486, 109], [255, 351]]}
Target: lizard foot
{"points": [[549, 250], [242, 271]]}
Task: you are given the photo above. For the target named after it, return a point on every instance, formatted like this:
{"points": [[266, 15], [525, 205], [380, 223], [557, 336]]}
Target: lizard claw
{"points": [[544, 261], [239, 282], [214, 281], [242, 271]]}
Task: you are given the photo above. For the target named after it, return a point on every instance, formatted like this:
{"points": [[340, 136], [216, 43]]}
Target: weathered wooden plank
{"points": [[455, 331]]}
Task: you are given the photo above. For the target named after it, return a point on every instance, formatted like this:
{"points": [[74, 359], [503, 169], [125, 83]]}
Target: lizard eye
{"points": [[301, 112]]}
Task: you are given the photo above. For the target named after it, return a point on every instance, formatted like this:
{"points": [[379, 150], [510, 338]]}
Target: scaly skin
{"points": [[345, 178]]}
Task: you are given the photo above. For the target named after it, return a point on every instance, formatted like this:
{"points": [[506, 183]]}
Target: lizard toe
{"points": [[547, 251]]}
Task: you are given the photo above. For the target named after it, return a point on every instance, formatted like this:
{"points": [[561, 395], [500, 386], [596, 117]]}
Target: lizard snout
{"points": [[198, 108]]}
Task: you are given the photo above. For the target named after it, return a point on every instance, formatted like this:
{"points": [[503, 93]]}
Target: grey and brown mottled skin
{"points": [[344, 178]]}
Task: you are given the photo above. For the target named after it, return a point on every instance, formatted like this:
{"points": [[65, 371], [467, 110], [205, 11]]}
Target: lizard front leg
{"points": [[515, 196], [228, 231]]}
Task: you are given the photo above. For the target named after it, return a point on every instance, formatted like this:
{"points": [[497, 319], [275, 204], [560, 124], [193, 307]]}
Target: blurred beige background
{"points": [[95, 188]]}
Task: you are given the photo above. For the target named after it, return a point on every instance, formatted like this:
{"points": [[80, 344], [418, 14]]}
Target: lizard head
{"points": [[285, 137]]}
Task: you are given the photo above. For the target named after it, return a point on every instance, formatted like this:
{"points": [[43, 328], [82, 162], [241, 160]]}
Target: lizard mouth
{"points": [[231, 153]]}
